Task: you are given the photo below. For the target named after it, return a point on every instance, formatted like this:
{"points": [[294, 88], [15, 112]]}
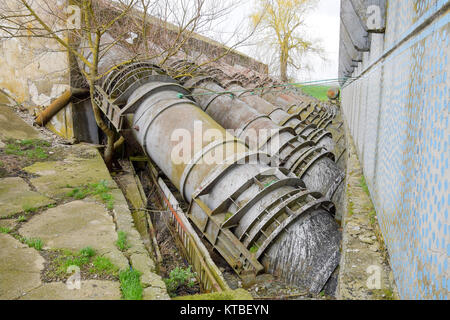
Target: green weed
{"points": [[5, 230], [79, 259], [350, 208], [254, 248], [35, 243], [130, 284], [122, 242], [33, 149], [179, 277], [100, 190], [318, 92], [87, 252], [228, 216], [102, 265], [364, 186], [29, 209], [372, 217]]}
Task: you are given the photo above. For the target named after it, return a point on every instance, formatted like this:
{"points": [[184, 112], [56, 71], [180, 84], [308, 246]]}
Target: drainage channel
{"points": [[181, 245]]}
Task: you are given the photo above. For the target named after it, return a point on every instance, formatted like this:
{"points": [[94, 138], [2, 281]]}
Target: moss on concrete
{"points": [[57, 178]]}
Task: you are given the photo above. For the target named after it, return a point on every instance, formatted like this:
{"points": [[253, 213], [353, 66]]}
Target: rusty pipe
{"points": [[58, 104]]}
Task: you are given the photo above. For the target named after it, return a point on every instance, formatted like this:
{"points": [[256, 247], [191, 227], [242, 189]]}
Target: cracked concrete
{"points": [[20, 268], [68, 224], [89, 290], [76, 225], [16, 196], [82, 166]]}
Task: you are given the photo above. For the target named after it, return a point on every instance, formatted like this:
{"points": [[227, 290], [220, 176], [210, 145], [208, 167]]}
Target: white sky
{"points": [[323, 23]]}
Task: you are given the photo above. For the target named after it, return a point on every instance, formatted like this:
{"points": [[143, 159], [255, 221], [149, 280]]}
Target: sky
{"points": [[322, 23]]}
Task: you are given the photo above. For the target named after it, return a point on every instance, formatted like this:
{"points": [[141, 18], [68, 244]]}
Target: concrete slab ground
{"points": [[20, 268], [81, 166], [89, 290], [74, 226], [61, 221], [16, 196]]}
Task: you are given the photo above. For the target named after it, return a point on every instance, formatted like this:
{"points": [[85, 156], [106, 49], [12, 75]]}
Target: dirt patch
{"points": [[18, 154], [52, 271]]}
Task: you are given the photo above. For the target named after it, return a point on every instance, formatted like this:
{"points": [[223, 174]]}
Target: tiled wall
{"points": [[397, 110]]}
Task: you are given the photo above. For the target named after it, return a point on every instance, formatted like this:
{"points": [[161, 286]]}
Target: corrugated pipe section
{"points": [[301, 156], [258, 217]]}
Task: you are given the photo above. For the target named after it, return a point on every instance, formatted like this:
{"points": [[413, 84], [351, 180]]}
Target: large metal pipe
{"points": [[256, 216], [301, 157], [324, 116], [306, 130]]}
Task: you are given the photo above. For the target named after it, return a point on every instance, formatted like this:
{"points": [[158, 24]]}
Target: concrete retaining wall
{"points": [[397, 108]]}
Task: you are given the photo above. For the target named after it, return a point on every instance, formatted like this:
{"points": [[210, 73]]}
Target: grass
{"points": [[389, 294], [87, 252], [122, 242], [130, 284], [318, 92], [5, 230], [29, 209], [100, 190], [363, 185], [179, 277], [72, 260], [35, 243], [78, 193], [102, 265], [22, 219], [372, 217], [85, 258], [385, 294], [33, 149], [228, 216], [254, 248], [350, 208]]}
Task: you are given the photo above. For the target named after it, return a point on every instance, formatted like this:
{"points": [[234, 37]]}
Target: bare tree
{"points": [[138, 29], [282, 31], [45, 19]]}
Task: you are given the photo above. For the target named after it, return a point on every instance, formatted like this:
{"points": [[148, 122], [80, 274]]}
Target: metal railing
{"points": [[195, 252]]}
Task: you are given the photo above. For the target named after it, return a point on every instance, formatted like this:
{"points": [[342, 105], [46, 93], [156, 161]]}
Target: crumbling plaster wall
{"points": [[34, 71]]}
